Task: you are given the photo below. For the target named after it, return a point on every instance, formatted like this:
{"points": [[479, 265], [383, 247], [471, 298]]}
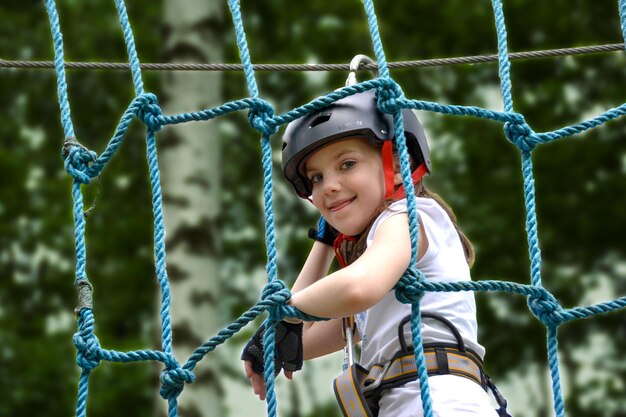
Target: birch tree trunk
{"points": [[190, 158]]}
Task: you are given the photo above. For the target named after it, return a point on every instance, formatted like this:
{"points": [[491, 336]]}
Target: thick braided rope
{"points": [[389, 101], [172, 377], [129, 40], [518, 134], [59, 65], [258, 119], [84, 165], [504, 64]]}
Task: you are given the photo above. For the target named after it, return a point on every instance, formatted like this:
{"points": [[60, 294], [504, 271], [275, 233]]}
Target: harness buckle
{"points": [[379, 379]]}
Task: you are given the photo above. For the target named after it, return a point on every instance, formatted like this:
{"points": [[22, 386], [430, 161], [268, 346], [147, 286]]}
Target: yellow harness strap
{"points": [[358, 390]]}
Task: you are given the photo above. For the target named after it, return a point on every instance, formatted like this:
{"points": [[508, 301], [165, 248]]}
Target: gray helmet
{"points": [[356, 115]]}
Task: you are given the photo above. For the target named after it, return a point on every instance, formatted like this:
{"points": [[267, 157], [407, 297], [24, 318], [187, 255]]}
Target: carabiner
{"points": [[354, 67], [348, 335]]}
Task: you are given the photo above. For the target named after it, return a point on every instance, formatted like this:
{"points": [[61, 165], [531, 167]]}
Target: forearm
{"points": [[316, 266], [335, 296], [322, 338], [366, 281]]}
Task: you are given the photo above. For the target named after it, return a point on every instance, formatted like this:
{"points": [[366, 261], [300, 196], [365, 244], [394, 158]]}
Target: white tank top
{"points": [[443, 261]]}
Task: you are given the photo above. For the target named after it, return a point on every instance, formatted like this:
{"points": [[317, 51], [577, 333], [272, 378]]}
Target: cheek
{"points": [[377, 184], [317, 200]]}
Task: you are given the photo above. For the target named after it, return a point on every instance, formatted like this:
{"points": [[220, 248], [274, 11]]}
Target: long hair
{"points": [[352, 250], [468, 247]]}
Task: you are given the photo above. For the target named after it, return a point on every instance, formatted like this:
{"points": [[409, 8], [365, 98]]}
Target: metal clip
{"points": [[348, 335], [354, 67]]}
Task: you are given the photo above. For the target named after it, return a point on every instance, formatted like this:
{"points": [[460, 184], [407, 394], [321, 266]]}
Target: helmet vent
{"points": [[319, 119]]}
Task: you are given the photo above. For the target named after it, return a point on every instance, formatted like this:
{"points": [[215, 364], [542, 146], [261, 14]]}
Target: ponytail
{"points": [[468, 248]]}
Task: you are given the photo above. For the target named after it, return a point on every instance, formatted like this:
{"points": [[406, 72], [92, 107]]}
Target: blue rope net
{"points": [[84, 165]]}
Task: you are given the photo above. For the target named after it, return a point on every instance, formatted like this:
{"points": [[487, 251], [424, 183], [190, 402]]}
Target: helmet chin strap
{"points": [[416, 176], [389, 172], [388, 168]]}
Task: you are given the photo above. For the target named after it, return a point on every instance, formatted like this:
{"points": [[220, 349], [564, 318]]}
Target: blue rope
{"points": [[521, 135], [59, 66], [390, 98], [379, 52], [504, 64], [83, 165], [258, 117], [129, 40], [242, 44]]}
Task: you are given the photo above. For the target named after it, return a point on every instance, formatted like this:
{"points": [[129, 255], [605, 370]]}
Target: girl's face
{"points": [[348, 183]]}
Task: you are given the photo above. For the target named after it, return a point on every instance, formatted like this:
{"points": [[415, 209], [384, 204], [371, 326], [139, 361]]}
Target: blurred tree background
{"points": [[580, 194]]}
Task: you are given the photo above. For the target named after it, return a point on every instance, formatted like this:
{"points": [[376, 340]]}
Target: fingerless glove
{"points": [[288, 353]]}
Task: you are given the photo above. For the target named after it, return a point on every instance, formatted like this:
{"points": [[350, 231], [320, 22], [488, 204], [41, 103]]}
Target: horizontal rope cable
{"points": [[475, 59]]}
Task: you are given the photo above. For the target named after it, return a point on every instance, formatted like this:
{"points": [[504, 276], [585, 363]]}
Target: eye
{"points": [[315, 178], [348, 164]]}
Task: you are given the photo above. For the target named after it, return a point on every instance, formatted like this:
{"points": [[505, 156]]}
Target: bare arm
{"points": [[315, 267], [323, 337], [362, 284]]}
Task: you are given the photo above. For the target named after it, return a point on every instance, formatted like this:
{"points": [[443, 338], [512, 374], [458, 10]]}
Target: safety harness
{"points": [[358, 390]]}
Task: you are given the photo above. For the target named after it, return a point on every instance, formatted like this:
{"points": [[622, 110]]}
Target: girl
{"points": [[341, 159]]}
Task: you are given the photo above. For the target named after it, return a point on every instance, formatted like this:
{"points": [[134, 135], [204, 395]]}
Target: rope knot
{"points": [[409, 288], [275, 294], [521, 135], [77, 160], [390, 96], [149, 111], [88, 353], [546, 308], [261, 117], [173, 381]]}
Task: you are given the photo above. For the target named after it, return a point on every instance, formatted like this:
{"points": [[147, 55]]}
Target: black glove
{"points": [[324, 233], [288, 353]]}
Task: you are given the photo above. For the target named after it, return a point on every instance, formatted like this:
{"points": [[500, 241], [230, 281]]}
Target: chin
{"points": [[352, 231]]}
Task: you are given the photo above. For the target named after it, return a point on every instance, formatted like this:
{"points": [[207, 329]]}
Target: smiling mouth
{"points": [[338, 206]]}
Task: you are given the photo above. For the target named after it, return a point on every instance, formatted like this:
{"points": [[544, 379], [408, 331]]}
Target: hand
{"points": [[257, 381], [324, 233], [288, 354]]}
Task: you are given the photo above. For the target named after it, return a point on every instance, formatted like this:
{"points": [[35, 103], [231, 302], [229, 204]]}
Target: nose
{"points": [[331, 183]]}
